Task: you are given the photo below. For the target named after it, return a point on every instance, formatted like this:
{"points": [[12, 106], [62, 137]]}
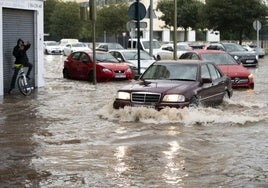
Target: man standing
{"points": [[19, 53]]}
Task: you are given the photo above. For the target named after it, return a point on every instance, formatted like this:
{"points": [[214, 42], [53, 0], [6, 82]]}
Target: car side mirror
{"points": [[206, 80]]}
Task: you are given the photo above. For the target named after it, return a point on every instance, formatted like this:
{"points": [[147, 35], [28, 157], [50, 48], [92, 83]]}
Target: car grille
{"points": [[237, 80], [145, 97], [119, 71]]}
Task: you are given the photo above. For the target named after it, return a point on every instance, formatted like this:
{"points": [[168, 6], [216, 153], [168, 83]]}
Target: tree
{"points": [[112, 19], [49, 7], [187, 13], [234, 18], [65, 20]]}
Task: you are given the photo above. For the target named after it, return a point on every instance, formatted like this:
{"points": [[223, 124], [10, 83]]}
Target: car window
{"points": [[84, 57], [214, 72], [76, 55], [205, 72], [194, 56], [186, 56]]}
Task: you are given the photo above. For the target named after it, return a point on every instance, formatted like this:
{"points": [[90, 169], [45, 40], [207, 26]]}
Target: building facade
{"points": [[21, 19]]}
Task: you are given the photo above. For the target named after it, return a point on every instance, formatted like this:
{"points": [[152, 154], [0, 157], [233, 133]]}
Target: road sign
{"points": [[257, 25], [132, 11], [133, 25]]}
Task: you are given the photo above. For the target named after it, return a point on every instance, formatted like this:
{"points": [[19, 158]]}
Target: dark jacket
{"points": [[20, 55]]}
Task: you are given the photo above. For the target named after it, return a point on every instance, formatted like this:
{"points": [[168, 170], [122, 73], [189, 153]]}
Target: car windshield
{"points": [[133, 55], [106, 57], [167, 71], [78, 45], [155, 44], [182, 47], [219, 59], [234, 47], [115, 46]]}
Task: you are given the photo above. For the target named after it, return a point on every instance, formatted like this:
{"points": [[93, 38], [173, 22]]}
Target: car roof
{"points": [[184, 61], [202, 51]]}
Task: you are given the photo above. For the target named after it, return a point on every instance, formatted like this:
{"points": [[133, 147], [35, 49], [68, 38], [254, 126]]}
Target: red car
{"points": [[240, 76], [79, 65]]}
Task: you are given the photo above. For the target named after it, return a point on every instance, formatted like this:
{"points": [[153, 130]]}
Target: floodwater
{"points": [[67, 134]]}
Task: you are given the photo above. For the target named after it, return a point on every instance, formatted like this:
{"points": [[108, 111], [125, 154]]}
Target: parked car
{"points": [[240, 76], [79, 65], [176, 84], [131, 58], [52, 47], [167, 51], [145, 45], [248, 58], [109, 46], [73, 47], [259, 50]]}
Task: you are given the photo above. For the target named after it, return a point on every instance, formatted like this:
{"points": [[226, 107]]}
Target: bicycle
{"points": [[23, 84]]}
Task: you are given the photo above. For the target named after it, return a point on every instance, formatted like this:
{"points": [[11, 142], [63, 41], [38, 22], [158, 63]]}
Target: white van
{"points": [[145, 45], [64, 42]]}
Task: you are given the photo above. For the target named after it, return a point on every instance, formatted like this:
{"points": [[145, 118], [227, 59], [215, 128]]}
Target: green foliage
{"points": [[188, 14], [49, 8], [65, 20], [112, 19], [234, 18]]}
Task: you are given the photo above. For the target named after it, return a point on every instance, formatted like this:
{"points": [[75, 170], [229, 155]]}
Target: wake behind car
{"points": [[176, 84], [240, 76], [247, 58], [79, 65]]}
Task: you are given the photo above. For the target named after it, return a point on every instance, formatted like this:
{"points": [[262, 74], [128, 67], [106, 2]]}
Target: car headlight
{"points": [[173, 98], [250, 76], [123, 95], [236, 57], [106, 70]]}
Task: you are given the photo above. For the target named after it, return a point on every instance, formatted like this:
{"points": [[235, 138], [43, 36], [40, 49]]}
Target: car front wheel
{"points": [[194, 102]]}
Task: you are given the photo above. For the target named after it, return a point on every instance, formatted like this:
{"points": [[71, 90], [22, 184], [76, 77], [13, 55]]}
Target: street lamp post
{"points": [[175, 31]]}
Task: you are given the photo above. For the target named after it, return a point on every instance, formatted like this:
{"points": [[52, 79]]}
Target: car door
{"points": [[214, 91], [218, 84], [73, 65], [84, 66]]}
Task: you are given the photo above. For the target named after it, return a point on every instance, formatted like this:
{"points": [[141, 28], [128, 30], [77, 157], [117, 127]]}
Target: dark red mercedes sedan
{"points": [[176, 84]]}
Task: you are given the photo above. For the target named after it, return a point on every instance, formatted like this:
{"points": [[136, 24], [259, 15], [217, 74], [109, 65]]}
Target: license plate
{"points": [[120, 76], [143, 105], [249, 61]]}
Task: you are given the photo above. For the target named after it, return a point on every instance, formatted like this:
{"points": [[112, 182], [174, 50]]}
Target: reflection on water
{"points": [[68, 135]]}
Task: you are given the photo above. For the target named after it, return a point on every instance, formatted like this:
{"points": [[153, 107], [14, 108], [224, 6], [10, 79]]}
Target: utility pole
{"points": [[175, 31], [92, 5]]}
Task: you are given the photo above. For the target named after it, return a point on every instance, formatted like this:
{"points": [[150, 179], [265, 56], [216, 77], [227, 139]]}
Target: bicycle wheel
{"points": [[23, 86]]}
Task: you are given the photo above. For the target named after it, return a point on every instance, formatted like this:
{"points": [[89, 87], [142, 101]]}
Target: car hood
{"points": [[114, 66], [143, 63], [243, 53], [234, 70], [161, 86]]}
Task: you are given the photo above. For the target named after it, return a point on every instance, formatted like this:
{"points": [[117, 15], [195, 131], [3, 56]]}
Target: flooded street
{"points": [[67, 134]]}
